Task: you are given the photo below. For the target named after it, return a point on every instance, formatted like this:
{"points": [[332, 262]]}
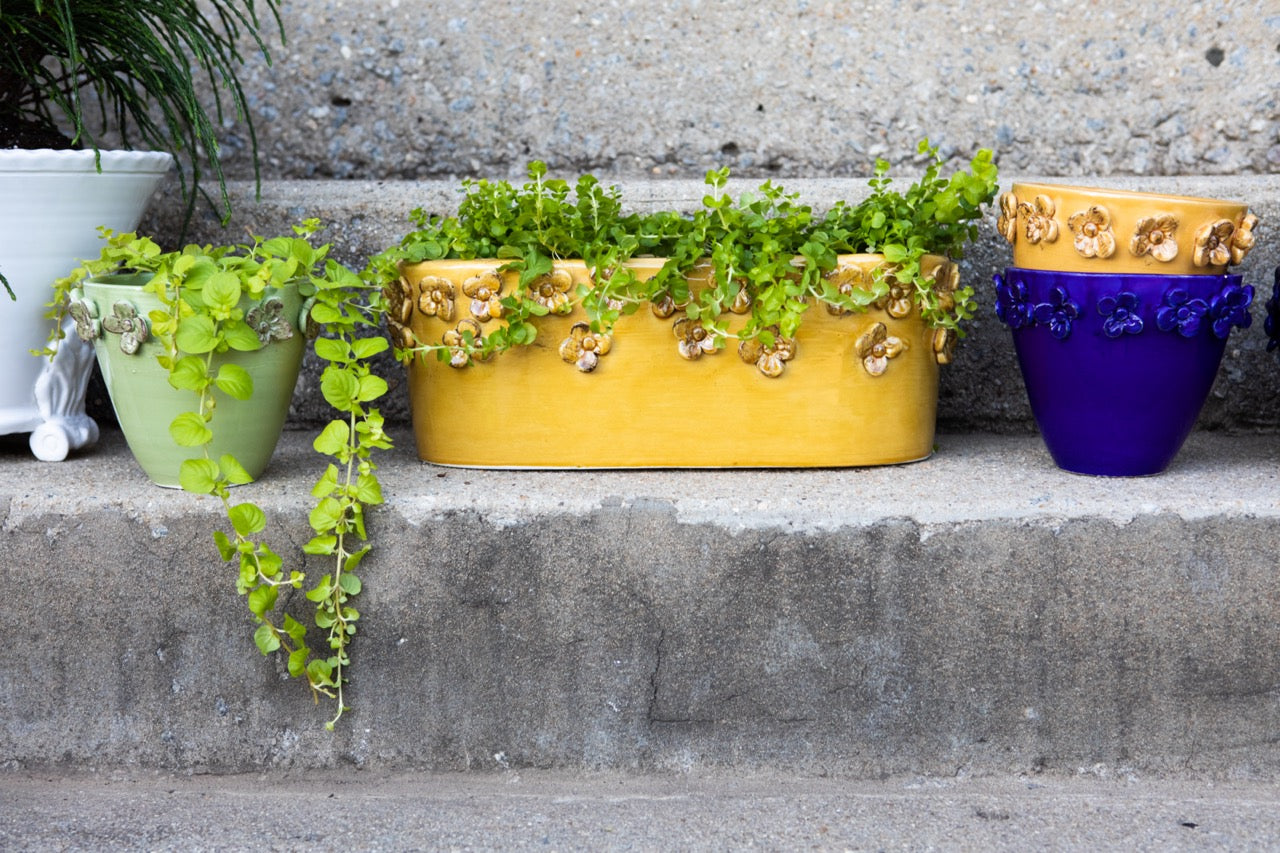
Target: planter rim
{"points": [[1113, 193], [1134, 278], [51, 160]]}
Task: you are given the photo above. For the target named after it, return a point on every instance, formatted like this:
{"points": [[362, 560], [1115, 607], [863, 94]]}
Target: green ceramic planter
{"points": [[144, 401]]}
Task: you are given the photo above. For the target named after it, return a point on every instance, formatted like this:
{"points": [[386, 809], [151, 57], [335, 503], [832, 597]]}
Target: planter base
{"points": [[55, 417]]}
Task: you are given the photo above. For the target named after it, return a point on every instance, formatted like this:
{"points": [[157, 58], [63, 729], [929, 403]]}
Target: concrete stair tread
{"points": [[516, 810], [971, 477]]}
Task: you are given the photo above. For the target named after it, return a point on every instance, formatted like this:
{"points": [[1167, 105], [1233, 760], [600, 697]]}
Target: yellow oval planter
{"points": [[1082, 229], [853, 389]]}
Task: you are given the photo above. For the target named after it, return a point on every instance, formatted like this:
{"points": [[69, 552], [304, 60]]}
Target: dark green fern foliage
{"points": [[132, 66]]}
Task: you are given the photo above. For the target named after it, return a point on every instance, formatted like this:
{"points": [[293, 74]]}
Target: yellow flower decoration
{"points": [[876, 347], [898, 300], [583, 348], [551, 291], [1243, 239], [944, 345], [846, 280], [1092, 228], [741, 301], [946, 283], [1154, 236], [399, 308], [1041, 225], [663, 307], [1007, 223], [693, 341], [435, 297], [463, 342], [771, 360], [485, 292], [1213, 243]]}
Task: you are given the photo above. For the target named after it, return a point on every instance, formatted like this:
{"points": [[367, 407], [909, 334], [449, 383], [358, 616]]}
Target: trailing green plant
{"points": [[765, 249], [208, 297], [132, 67]]}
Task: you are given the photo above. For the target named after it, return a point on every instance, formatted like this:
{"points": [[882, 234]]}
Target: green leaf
{"points": [[368, 489], [240, 337], [333, 349], [321, 590], [222, 290], [340, 388], [326, 515], [247, 519], [298, 661], [226, 549], [234, 381], [197, 334], [333, 439], [188, 429], [295, 629], [321, 545], [199, 476], [233, 471], [371, 388], [189, 374], [350, 583], [266, 640], [366, 348], [262, 600]]}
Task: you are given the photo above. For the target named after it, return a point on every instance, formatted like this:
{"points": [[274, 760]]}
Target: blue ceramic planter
{"points": [[1117, 367]]}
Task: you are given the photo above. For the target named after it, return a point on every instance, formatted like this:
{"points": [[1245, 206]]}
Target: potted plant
{"points": [[200, 351], [71, 75], [546, 327], [1120, 306]]}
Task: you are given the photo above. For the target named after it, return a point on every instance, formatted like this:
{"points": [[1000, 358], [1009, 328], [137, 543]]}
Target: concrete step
{"points": [[982, 391], [979, 612], [520, 810]]}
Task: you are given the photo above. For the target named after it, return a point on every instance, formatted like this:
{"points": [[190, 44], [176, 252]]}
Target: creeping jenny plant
{"points": [[770, 257], [213, 302]]}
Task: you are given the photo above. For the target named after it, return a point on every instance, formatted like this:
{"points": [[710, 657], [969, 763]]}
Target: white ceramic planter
{"points": [[51, 205]]}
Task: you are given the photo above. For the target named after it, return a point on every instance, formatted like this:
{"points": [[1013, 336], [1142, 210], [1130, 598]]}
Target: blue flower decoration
{"points": [[1121, 312], [1272, 323], [1181, 313], [1058, 312], [1013, 304], [1231, 308]]}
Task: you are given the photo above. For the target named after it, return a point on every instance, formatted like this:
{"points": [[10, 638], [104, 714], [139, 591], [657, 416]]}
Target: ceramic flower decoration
{"points": [[1155, 236], [1039, 216], [1213, 243], [84, 313], [485, 292], [1242, 240], [1181, 313], [845, 279], [1007, 223], [944, 345], [268, 322], [1121, 313], [584, 348], [125, 322], [435, 297], [463, 342], [771, 359], [1058, 313], [692, 340], [876, 346], [1092, 227], [551, 291]]}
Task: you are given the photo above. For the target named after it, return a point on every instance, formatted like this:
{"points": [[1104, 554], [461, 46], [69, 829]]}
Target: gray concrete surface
{"points": [[981, 612], [414, 89], [981, 391], [523, 810]]}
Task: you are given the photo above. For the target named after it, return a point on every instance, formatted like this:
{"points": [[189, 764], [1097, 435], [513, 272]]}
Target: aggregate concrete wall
{"points": [[412, 89]]}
